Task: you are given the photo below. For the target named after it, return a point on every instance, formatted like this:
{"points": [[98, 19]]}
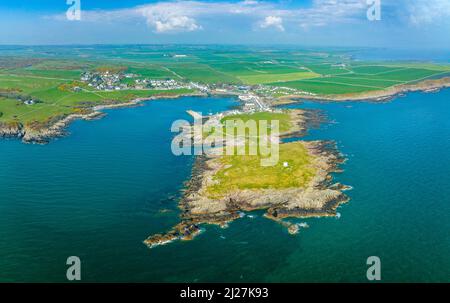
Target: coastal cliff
{"points": [[43, 132], [11, 129]]}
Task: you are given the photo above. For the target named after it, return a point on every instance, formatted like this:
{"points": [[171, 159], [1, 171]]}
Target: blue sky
{"points": [[403, 24]]}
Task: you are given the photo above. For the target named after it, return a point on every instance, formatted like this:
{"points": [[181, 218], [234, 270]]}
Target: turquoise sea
{"points": [[98, 193]]}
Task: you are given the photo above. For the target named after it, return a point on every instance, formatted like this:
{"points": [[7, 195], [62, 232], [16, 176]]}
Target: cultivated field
{"points": [[46, 74]]}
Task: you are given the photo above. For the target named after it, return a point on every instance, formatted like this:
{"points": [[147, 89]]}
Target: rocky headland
{"points": [[382, 95], [43, 132], [320, 197]]}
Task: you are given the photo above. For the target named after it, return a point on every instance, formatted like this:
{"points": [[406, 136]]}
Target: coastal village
{"points": [[109, 81], [253, 98]]}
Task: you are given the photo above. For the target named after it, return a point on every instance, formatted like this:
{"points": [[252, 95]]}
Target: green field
{"points": [[362, 79], [245, 172], [41, 72], [269, 78], [201, 73], [325, 87], [284, 119], [55, 102]]}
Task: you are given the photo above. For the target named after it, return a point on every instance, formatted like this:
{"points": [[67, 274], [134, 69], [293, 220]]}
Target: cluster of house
{"points": [[201, 87], [104, 81], [248, 94], [253, 103], [113, 81], [272, 90], [157, 84]]}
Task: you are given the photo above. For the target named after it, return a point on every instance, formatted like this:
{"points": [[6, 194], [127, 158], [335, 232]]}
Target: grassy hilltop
{"points": [[246, 172]]}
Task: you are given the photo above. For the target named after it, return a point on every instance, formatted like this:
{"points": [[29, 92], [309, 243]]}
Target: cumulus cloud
{"points": [[166, 18], [177, 23], [186, 15], [193, 15], [428, 11], [181, 16], [273, 21]]}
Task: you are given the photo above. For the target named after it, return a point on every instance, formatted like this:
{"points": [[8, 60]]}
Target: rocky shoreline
{"points": [[318, 199], [43, 135], [11, 130], [56, 128], [384, 95], [302, 121]]}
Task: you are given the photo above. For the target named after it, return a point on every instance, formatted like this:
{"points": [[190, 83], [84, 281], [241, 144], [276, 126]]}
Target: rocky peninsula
{"points": [[382, 95], [299, 186]]}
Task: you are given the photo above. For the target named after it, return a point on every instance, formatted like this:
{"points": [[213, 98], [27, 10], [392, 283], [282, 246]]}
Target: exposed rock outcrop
{"points": [[11, 129], [318, 198]]}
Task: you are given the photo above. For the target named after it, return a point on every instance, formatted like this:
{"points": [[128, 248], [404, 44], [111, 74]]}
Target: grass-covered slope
{"points": [[246, 172]]}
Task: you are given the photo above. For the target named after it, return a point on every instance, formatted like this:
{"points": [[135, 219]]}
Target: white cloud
{"points": [[326, 12], [176, 24], [320, 13], [273, 21], [179, 16], [193, 15], [169, 17], [427, 11]]}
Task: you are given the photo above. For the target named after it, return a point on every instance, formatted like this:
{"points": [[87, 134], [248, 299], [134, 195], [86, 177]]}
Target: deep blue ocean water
{"points": [[100, 192]]}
